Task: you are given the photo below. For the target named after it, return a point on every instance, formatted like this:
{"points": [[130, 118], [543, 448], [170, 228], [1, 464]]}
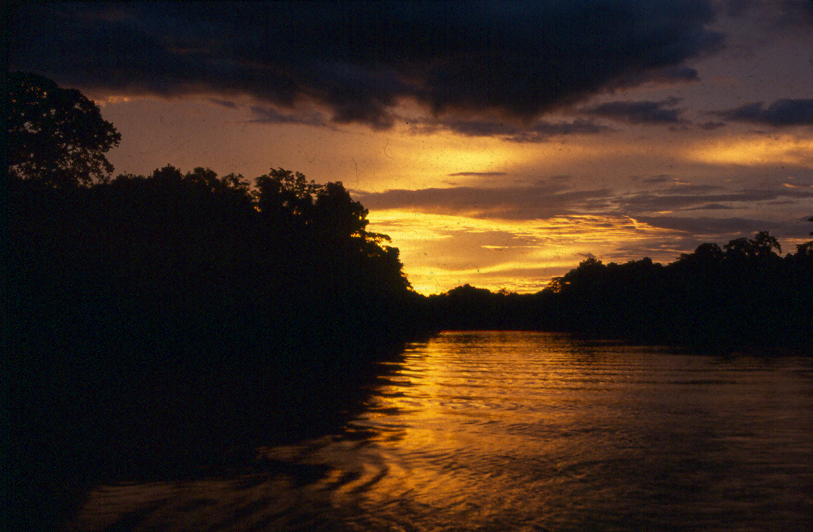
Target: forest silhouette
{"points": [[738, 297], [162, 323]]}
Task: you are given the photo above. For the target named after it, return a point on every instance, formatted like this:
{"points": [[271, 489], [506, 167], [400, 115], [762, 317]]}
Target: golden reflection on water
{"points": [[524, 431]]}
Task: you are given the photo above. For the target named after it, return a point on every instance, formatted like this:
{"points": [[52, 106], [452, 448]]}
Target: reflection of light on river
{"points": [[519, 431]]}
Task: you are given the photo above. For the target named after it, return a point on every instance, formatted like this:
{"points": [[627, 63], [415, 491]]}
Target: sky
{"points": [[498, 144]]}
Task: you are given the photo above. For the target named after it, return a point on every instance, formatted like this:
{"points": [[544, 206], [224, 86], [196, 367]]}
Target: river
{"points": [[509, 431]]}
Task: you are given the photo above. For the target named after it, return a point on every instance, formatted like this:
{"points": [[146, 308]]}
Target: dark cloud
{"points": [[775, 14], [691, 198], [797, 13], [659, 179], [545, 130], [711, 126], [781, 113], [543, 200], [358, 60], [269, 115], [739, 8], [656, 179], [540, 131], [549, 198], [711, 207], [720, 230], [663, 76], [224, 103], [645, 112]]}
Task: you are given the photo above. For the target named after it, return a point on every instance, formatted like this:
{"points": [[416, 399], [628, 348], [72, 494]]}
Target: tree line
{"points": [[742, 294]]}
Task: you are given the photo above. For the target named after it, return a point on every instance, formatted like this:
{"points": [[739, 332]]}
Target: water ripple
{"points": [[523, 432]]}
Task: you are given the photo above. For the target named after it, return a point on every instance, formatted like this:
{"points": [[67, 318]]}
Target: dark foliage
{"points": [[469, 308], [741, 295], [744, 294], [160, 321], [55, 135]]}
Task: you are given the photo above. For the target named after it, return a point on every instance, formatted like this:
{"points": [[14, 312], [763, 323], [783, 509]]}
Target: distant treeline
{"points": [[743, 294]]}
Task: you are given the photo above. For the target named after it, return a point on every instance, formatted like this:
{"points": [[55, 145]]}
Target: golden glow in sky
{"points": [[491, 157], [441, 252], [593, 192], [756, 150]]}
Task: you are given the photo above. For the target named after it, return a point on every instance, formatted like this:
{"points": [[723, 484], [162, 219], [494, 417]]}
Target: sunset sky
{"points": [[497, 143]]}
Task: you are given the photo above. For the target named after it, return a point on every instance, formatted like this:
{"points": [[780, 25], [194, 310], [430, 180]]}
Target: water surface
{"points": [[523, 431]]}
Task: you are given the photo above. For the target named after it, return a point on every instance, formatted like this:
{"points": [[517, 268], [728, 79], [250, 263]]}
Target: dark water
{"points": [[524, 431]]}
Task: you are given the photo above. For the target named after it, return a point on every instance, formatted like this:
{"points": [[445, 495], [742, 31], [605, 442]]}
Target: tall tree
{"points": [[56, 135]]}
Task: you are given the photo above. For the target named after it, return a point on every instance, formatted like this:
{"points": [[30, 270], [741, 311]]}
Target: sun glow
{"points": [[440, 252], [782, 149]]}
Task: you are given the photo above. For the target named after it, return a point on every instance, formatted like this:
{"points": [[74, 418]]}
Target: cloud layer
{"points": [[693, 211], [645, 112], [359, 60], [781, 113]]}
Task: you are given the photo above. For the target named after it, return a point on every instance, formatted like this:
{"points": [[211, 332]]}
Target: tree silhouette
{"points": [[56, 135], [286, 198], [762, 246], [765, 244], [706, 255], [337, 213]]}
